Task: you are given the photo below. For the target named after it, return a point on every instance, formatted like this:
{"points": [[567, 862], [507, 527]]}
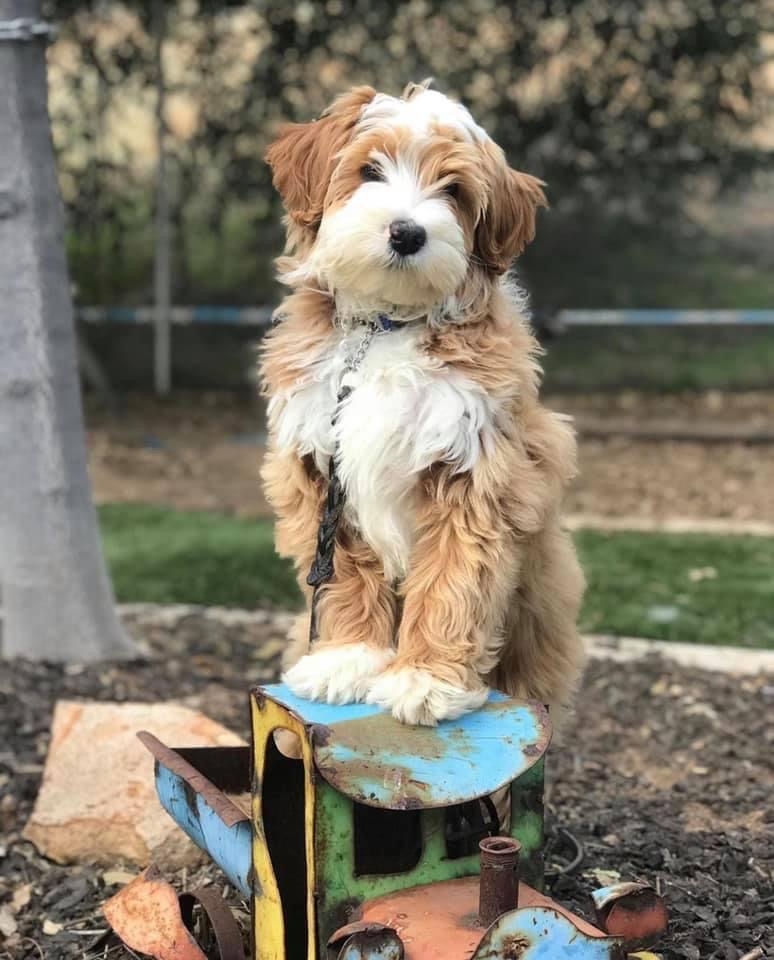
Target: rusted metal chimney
{"points": [[499, 882]]}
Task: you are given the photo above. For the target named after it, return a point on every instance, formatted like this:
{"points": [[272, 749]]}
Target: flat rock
{"points": [[97, 802]]}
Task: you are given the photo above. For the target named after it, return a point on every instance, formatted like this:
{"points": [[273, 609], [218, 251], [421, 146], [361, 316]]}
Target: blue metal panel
{"points": [[369, 756], [539, 933], [312, 712], [229, 846]]}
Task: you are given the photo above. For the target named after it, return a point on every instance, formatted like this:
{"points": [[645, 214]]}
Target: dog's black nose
{"points": [[406, 237]]}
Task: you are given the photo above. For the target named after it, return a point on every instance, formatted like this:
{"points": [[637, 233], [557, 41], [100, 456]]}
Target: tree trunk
{"points": [[56, 594]]}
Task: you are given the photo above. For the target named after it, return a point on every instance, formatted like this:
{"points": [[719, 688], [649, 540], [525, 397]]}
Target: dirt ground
{"points": [[666, 775], [203, 451]]}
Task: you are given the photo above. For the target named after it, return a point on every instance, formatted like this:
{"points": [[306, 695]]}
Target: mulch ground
{"points": [[667, 775], [204, 450]]}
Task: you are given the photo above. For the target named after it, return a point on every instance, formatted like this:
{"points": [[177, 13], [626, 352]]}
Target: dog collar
{"points": [[383, 323]]}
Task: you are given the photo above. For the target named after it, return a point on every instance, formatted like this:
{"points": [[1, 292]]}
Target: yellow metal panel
{"points": [[268, 922]]}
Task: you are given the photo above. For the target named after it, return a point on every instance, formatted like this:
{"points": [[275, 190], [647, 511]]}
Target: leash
{"points": [[322, 566]]}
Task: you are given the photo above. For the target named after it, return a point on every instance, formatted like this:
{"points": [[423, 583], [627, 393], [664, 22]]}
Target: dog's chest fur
{"points": [[405, 411]]}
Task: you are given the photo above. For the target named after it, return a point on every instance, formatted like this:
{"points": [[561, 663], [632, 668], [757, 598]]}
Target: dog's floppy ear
{"points": [[303, 156], [507, 224]]}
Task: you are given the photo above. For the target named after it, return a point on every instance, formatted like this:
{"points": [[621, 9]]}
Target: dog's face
{"points": [[400, 200]]}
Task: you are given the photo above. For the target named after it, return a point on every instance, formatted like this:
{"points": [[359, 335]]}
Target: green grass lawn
{"points": [[689, 587], [693, 588], [161, 555]]}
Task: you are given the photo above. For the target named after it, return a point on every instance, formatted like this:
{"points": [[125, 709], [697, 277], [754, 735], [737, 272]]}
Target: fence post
{"points": [[162, 279]]}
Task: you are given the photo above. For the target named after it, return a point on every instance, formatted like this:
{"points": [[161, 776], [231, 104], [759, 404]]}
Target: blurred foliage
{"points": [[629, 109]]}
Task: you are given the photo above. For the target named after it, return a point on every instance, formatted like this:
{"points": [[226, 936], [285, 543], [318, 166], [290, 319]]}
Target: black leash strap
{"points": [[322, 566]]}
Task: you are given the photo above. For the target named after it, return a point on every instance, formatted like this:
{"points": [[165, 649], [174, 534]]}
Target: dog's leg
{"points": [[355, 614], [543, 653], [355, 620], [296, 490], [463, 571]]}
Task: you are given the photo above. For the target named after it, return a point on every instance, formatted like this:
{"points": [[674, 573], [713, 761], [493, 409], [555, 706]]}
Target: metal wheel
{"points": [[212, 923]]}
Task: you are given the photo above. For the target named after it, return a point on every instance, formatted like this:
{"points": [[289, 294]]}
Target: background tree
{"points": [[631, 110], [56, 595]]}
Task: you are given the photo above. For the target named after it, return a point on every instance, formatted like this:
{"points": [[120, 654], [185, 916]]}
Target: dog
{"points": [[403, 353]]}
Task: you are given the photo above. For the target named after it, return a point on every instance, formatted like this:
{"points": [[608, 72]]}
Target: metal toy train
{"points": [[382, 842]]}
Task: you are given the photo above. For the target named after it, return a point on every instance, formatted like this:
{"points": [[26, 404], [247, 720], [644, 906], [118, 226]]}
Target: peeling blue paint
{"points": [[538, 933], [366, 754], [229, 847]]}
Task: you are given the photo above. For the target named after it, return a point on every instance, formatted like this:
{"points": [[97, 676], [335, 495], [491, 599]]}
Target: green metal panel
{"points": [[527, 823], [340, 892]]}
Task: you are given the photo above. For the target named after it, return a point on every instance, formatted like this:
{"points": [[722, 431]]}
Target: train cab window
{"points": [[468, 823], [386, 841]]}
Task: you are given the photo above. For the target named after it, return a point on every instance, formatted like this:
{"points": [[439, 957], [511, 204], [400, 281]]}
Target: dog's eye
{"points": [[371, 173], [452, 189]]}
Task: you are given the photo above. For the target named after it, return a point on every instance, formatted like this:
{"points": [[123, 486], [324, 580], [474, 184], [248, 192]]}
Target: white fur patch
{"points": [[417, 697], [352, 253], [338, 674], [420, 114], [406, 412]]}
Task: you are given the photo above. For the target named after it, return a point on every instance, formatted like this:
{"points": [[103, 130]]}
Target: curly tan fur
{"points": [[493, 586]]}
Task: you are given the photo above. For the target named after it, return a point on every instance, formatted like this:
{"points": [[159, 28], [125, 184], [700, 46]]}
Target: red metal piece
{"points": [[499, 880], [146, 916], [632, 911], [439, 921], [228, 811]]}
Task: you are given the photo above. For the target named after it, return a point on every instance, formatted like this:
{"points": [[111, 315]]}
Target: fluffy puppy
{"points": [[451, 572]]}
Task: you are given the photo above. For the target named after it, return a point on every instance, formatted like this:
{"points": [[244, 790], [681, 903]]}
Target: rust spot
{"points": [[190, 799], [635, 913], [357, 778], [358, 926], [515, 946], [194, 782], [344, 913], [360, 735], [321, 735], [254, 883]]}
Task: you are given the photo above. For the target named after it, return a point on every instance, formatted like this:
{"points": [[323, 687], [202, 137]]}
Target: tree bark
{"points": [[56, 594]]}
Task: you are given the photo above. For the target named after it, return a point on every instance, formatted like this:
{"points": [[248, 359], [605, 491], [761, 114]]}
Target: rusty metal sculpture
{"points": [[379, 841]]}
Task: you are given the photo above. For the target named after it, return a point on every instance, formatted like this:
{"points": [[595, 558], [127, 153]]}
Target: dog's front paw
{"points": [[415, 696], [338, 674]]}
